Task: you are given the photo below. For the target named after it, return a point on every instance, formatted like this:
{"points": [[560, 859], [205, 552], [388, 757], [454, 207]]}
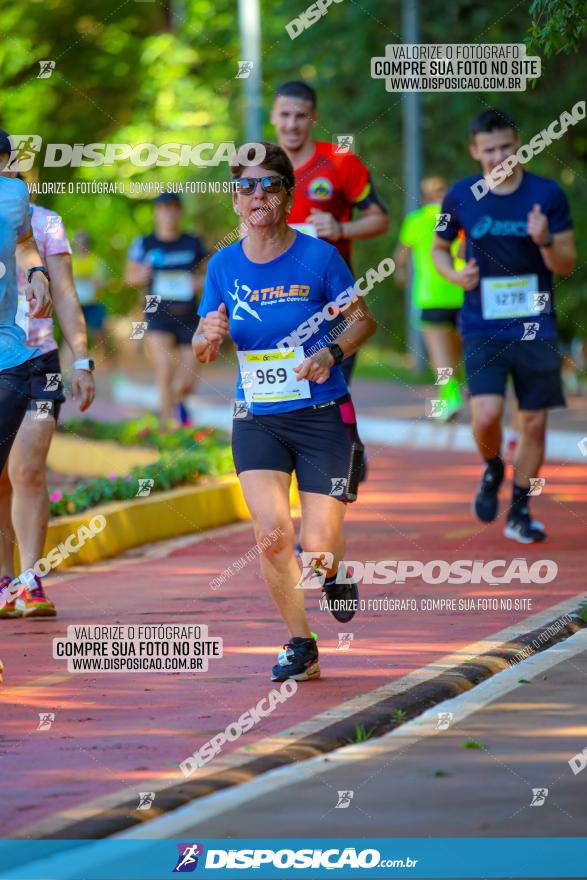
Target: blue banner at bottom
{"points": [[306, 859]]}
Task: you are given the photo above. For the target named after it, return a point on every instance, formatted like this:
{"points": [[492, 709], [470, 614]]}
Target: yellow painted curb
{"points": [[185, 510], [181, 511], [96, 458]]}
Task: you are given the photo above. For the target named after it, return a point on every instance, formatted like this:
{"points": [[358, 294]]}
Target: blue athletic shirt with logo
{"points": [[496, 229], [266, 302]]}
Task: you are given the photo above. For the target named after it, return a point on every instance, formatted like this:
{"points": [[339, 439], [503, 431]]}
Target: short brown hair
{"points": [[275, 159], [433, 188]]}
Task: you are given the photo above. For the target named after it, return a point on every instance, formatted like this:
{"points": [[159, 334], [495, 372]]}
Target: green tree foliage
{"points": [[558, 26]]}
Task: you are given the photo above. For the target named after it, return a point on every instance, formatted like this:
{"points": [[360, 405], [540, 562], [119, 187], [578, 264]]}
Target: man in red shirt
{"points": [[330, 180]]}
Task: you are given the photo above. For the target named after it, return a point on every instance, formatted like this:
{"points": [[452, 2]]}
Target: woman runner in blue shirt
{"points": [[280, 295]]}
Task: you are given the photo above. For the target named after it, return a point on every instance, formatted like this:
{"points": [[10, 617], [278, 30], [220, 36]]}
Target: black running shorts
{"points": [[534, 365], [315, 442]]}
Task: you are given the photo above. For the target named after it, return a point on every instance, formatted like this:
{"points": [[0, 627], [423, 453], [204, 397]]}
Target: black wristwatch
{"points": [[337, 353], [31, 272]]}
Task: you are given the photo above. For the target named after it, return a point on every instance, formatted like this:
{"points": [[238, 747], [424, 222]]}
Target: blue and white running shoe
{"points": [[299, 660]]}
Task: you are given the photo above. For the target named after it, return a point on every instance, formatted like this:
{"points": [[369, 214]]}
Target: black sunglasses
{"points": [[246, 186]]}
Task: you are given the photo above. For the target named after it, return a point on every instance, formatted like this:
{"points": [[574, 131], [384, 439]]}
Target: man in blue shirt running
{"points": [[278, 293], [518, 234]]}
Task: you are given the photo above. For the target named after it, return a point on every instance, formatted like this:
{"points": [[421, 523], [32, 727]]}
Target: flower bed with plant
{"points": [[187, 455], [144, 432]]}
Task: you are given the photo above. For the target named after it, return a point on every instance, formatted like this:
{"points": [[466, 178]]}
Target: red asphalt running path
{"points": [[115, 730]]}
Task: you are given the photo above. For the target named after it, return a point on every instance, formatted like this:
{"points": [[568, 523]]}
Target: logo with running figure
{"points": [[244, 69], [46, 68], [343, 143], [138, 329], [46, 719], [53, 225], [315, 565], [152, 303], [435, 408], [443, 374], [187, 861], [52, 381], [43, 410], [539, 796], [531, 328], [240, 409], [444, 719], [338, 486], [146, 799], [344, 800], [25, 148], [537, 484], [441, 223], [242, 304]]}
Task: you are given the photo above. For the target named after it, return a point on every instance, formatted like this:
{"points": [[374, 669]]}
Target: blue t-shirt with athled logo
{"points": [[267, 302], [512, 273]]}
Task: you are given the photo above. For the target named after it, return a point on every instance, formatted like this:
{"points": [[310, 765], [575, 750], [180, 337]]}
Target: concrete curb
{"points": [[378, 719]]}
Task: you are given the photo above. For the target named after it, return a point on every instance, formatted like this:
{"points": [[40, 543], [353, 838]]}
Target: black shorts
{"points": [[448, 317], [14, 397], [534, 365], [46, 386], [178, 318], [314, 442]]}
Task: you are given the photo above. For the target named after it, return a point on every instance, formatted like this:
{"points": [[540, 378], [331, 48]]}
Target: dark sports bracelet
{"points": [[37, 269], [337, 353]]}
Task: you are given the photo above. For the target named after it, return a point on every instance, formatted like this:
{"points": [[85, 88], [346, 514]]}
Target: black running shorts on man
{"points": [[535, 368]]}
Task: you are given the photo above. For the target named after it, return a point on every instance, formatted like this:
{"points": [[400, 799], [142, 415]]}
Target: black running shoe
{"points": [[299, 660], [523, 529], [486, 501], [342, 600]]}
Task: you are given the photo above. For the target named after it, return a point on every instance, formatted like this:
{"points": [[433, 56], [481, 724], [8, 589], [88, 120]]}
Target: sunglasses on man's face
{"points": [[246, 186]]}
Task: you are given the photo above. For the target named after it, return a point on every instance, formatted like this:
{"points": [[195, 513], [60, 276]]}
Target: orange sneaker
{"points": [[7, 609], [34, 603]]}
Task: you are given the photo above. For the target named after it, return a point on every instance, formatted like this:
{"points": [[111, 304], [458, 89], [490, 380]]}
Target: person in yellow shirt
{"points": [[438, 300]]}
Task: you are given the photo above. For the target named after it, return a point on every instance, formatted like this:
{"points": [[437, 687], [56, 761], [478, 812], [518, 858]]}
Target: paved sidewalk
{"points": [[120, 731], [420, 781]]}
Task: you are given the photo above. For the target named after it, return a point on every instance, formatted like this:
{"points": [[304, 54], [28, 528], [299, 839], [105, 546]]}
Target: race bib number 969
{"points": [[268, 376]]}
